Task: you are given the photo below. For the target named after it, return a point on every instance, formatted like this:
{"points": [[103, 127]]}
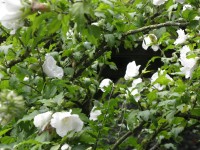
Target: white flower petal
{"points": [[149, 40], [5, 48], [182, 37], [66, 147], [94, 113], [65, 122], [131, 70], [155, 77], [10, 14], [155, 47], [134, 92], [42, 120], [136, 82], [159, 2], [180, 1], [187, 6], [105, 83], [51, 69], [188, 64]]}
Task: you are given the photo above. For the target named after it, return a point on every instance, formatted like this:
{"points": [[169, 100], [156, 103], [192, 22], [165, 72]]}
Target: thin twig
{"points": [[135, 132], [154, 27], [187, 116], [31, 87], [20, 59]]}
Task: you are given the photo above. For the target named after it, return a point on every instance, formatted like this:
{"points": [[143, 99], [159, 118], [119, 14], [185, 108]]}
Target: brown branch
{"points": [[20, 59], [148, 141], [135, 132], [155, 27], [187, 116], [89, 62]]}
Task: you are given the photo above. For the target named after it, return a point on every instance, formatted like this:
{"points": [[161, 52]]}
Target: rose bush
{"points": [[53, 95]]}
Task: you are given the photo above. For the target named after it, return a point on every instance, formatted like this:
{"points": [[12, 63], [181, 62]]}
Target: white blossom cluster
{"points": [[189, 64], [63, 122]]}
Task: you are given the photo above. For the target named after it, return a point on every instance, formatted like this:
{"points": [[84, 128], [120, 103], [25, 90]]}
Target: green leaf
{"points": [[7, 140], [44, 137], [144, 115], [28, 117], [4, 131], [56, 147], [177, 130], [110, 39]]}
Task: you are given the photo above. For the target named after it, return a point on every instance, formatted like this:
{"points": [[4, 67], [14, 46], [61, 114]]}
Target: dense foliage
{"points": [[52, 94]]}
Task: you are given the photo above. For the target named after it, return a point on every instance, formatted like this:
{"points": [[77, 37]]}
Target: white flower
{"points": [[149, 40], [131, 70], [196, 18], [10, 14], [42, 120], [136, 82], [134, 92], [182, 37], [66, 147], [159, 2], [5, 48], [187, 6], [51, 69], [69, 34], [180, 1], [105, 83], [1, 76], [65, 122], [189, 64], [94, 113], [155, 77]]}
